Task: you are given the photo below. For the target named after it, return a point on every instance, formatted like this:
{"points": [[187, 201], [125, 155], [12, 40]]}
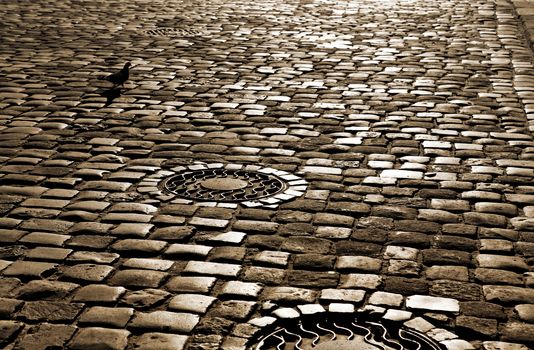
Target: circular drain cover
{"points": [[224, 185], [343, 332], [174, 32]]}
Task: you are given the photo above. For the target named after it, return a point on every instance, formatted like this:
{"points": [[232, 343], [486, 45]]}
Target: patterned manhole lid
{"points": [[344, 333], [252, 186], [174, 32]]}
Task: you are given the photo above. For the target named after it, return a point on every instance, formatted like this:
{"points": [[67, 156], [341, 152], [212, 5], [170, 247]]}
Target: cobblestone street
{"points": [[273, 172]]}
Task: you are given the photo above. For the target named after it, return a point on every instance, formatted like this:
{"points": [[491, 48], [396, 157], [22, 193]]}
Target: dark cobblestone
{"points": [[45, 336], [50, 311]]}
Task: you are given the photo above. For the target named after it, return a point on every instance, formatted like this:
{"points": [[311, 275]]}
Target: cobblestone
{"points": [[106, 316], [164, 320], [403, 131], [45, 336], [50, 311], [160, 341], [90, 338]]}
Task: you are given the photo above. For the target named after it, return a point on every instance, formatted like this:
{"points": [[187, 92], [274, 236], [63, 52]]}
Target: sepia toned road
{"points": [[267, 163]]}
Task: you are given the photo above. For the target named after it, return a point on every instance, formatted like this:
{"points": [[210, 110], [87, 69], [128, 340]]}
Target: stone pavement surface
{"points": [[407, 124], [524, 9]]}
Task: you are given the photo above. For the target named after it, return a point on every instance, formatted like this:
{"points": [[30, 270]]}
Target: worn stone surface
{"points": [[99, 338], [403, 131], [45, 336]]}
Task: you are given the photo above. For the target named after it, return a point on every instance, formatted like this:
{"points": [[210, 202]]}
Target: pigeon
{"points": [[120, 77]]}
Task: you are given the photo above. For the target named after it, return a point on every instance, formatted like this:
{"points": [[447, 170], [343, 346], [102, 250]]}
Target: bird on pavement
{"points": [[120, 77]]}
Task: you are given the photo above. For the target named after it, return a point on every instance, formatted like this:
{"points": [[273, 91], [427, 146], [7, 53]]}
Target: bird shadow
{"points": [[110, 94]]}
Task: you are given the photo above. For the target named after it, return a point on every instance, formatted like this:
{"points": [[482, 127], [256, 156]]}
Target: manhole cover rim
{"points": [[295, 323], [290, 186]]}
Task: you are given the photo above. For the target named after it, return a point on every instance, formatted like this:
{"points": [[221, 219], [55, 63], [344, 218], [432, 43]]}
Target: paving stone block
{"points": [[241, 289], [358, 263], [9, 236], [29, 269], [212, 269], [149, 264], [518, 332], [357, 248], [106, 316], [164, 321], [131, 229], [137, 278], [449, 204], [160, 341], [446, 257], [43, 238], [8, 330], [128, 217], [186, 284], [455, 243], [93, 257], [432, 303], [50, 311], [501, 345], [299, 278], [496, 245], [494, 276], [502, 262], [411, 239], [508, 294], [307, 245], [173, 233], [99, 338], [523, 223], [8, 307], [342, 295], [272, 258], [192, 250], [145, 298], [87, 272], [45, 336], [289, 294], [525, 312], [404, 285], [494, 232], [55, 226], [98, 293], [358, 280], [314, 261], [403, 267], [233, 310], [148, 246], [196, 303], [482, 219], [265, 275], [45, 290], [456, 273], [90, 228]]}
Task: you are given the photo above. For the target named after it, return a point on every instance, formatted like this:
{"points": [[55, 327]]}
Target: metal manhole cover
{"points": [[253, 186], [174, 32], [344, 333]]}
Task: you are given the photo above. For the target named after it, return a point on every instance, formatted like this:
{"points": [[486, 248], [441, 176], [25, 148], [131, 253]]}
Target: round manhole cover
{"points": [[227, 185], [341, 332], [174, 32]]}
